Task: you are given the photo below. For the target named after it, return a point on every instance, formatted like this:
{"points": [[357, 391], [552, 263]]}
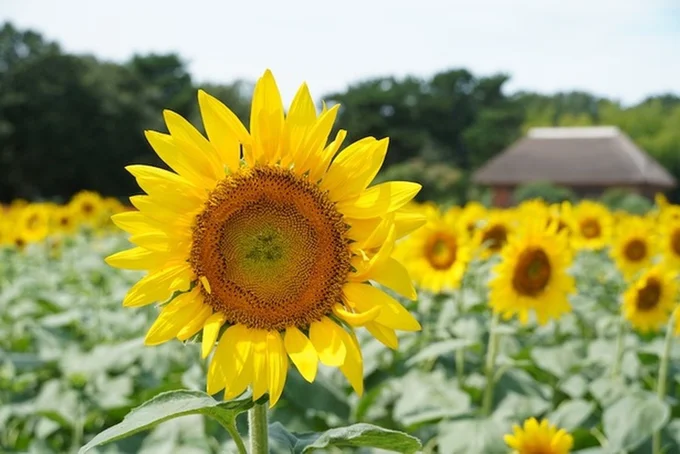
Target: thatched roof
{"points": [[574, 156]]}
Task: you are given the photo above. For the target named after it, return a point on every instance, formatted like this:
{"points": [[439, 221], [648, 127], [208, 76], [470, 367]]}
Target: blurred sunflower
{"points": [[470, 216], [532, 275], [436, 254], [65, 219], [88, 206], [271, 238], [492, 235], [539, 438], [634, 245], [590, 224], [33, 223], [669, 238], [649, 301]]}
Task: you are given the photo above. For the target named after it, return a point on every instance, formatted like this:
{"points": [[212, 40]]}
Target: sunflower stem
{"points": [[663, 376], [460, 366], [490, 365], [258, 429], [230, 425], [618, 356]]}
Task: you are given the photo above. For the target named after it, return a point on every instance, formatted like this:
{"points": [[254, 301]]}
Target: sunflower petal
{"points": [[380, 199], [392, 314], [224, 129], [302, 353], [278, 366], [327, 340], [211, 329]]}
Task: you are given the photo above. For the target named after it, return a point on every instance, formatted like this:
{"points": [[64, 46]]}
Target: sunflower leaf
{"points": [[170, 405], [354, 436], [633, 419]]}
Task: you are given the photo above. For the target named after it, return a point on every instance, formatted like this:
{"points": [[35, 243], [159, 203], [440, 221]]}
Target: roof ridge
{"points": [[636, 155]]}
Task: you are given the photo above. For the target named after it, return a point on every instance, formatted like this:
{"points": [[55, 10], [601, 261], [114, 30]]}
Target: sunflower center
{"points": [[87, 208], [532, 273], [495, 237], [64, 221], [273, 249], [675, 241], [635, 250], [649, 295], [441, 250], [590, 228]]}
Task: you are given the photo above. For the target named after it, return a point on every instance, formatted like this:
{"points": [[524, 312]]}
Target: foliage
{"points": [[545, 191], [626, 200]]}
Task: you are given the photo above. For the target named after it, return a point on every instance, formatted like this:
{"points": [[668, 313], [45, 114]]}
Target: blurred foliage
{"points": [[85, 118], [543, 190], [625, 200]]}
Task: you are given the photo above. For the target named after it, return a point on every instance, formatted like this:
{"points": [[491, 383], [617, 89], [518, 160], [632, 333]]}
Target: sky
{"points": [[623, 49]]}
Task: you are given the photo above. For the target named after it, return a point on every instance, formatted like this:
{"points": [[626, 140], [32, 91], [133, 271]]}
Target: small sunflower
{"points": [[669, 238], [436, 254], [470, 217], [492, 235], [649, 301], [590, 225], [65, 219], [532, 275], [33, 223], [270, 238], [89, 207], [634, 245], [539, 438]]}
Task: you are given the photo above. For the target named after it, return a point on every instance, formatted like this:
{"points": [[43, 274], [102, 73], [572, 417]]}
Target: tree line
{"points": [[71, 122]]}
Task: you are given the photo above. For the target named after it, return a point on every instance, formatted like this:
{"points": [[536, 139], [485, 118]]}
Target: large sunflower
{"points": [[590, 224], [532, 274], [634, 245], [436, 254], [539, 438], [270, 238], [649, 301]]}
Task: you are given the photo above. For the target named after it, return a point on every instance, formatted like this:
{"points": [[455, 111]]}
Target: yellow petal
{"points": [[392, 314], [380, 199], [195, 324], [135, 222], [266, 120], [153, 240], [203, 155], [230, 358], [385, 335], [407, 221], [137, 259], [301, 352], [327, 340], [356, 318], [301, 115], [278, 366], [318, 167], [260, 366], [173, 317], [211, 329], [174, 190], [392, 274], [353, 367], [224, 129], [312, 149], [363, 268], [159, 286], [354, 168], [168, 150]]}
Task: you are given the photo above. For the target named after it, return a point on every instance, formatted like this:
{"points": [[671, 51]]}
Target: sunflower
{"points": [[649, 301], [669, 239], [539, 438], [270, 240], [634, 245], [33, 223], [492, 235], [590, 224], [470, 217], [89, 207], [65, 219], [436, 254], [532, 274]]}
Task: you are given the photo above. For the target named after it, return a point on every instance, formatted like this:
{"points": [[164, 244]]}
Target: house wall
{"points": [[501, 196]]}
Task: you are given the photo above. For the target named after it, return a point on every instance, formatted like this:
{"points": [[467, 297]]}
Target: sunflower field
{"points": [[340, 316]]}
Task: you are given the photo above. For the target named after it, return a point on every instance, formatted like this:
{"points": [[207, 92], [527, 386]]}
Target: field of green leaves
{"points": [[72, 363]]}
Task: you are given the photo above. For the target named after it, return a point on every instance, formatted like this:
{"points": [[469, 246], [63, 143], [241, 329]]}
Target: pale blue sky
{"points": [[625, 49]]}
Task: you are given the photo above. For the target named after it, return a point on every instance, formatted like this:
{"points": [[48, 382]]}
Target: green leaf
{"points": [[634, 418], [354, 436], [559, 360], [438, 349], [571, 414], [169, 405], [472, 435]]}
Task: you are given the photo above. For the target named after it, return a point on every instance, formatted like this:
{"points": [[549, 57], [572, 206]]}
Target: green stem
{"points": [[230, 425], [490, 366], [257, 426], [618, 356], [460, 366], [663, 376]]}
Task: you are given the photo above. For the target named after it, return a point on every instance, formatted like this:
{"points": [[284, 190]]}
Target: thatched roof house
{"points": [[588, 160]]}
